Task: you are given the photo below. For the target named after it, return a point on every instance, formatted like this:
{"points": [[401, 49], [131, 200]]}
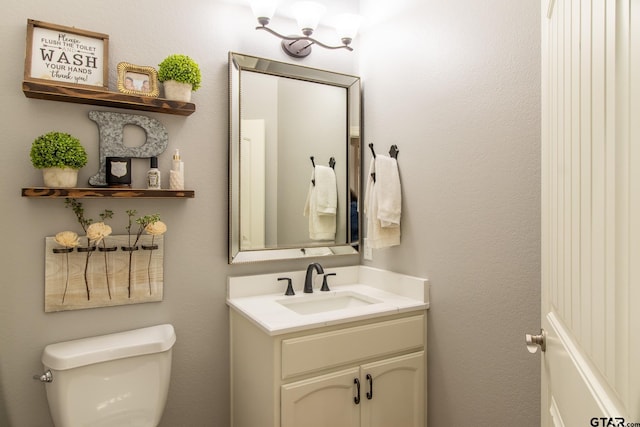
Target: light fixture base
{"points": [[299, 48]]}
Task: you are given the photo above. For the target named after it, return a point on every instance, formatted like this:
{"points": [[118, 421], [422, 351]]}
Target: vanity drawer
{"points": [[326, 350]]}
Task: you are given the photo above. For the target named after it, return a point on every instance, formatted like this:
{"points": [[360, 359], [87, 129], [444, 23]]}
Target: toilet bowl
{"points": [[120, 379]]}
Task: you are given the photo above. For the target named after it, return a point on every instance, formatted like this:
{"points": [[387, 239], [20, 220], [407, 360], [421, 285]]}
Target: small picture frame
{"points": [[137, 80], [66, 56]]}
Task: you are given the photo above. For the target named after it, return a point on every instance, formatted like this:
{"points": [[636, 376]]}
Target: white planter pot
{"points": [[177, 91], [60, 177]]}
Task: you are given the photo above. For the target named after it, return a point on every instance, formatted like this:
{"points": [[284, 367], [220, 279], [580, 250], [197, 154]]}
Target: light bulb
{"points": [[347, 26], [263, 10], [308, 14]]}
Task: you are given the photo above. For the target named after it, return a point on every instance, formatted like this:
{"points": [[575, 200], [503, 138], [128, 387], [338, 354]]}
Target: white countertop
{"points": [[257, 297]]}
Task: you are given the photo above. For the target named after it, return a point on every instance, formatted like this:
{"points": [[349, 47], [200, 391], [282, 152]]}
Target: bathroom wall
{"points": [[142, 33], [455, 84], [459, 95]]}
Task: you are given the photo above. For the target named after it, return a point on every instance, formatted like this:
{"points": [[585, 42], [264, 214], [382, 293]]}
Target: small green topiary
{"points": [[180, 68], [57, 150]]}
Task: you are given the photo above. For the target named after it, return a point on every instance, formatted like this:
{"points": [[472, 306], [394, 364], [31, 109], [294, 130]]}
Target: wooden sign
{"points": [[66, 56]]}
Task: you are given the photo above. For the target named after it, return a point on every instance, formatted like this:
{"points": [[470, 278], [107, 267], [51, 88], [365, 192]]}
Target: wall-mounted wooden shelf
{"points": [[104, 98], [101, 193]]}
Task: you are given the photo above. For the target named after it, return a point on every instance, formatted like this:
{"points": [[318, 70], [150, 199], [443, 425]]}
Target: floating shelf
{"points": [[101, 193], [105, 98]]}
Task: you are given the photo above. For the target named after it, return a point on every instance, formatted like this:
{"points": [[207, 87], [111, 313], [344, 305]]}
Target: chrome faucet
{"points": [[308, 281]]}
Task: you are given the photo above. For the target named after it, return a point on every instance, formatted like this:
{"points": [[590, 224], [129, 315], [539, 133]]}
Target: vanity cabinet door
{"points": [[393, 392], [323, 401]]}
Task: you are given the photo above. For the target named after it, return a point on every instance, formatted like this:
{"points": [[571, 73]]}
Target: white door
{"points": [[252, 184], [591, 212]]}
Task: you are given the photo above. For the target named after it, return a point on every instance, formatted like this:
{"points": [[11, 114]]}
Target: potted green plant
{"points": [[180, 75], [59, 155]]}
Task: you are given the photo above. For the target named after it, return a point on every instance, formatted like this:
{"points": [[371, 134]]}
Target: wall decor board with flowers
{"points": [[107, 274]]}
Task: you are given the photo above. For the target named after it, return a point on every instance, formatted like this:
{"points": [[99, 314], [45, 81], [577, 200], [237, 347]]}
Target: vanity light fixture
{"points": [[307, 14]]}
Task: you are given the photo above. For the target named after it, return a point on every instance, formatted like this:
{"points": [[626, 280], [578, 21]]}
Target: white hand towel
{"points": [[377, 236], [388, 191], [326, 190], [322, 226]]}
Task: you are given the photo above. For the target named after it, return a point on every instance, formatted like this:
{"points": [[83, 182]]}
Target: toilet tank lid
{"points": [[87, 351]]}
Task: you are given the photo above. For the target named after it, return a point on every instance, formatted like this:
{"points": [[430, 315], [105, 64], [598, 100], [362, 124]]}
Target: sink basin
{"points": [[357, 293], [320, 303]]}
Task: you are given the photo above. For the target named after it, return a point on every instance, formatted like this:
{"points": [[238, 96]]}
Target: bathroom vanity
{"points": [[353, 356]]}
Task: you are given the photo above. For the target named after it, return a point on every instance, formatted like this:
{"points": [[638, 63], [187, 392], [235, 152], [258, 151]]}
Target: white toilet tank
{"points": [[120, 379]]}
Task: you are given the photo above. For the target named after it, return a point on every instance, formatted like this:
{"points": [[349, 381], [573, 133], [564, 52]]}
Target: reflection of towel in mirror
{"points": [[382, 203], [326, 190], [321, 204]]}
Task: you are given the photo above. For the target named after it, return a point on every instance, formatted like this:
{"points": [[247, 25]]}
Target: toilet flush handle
{"points": [[47, 377]]}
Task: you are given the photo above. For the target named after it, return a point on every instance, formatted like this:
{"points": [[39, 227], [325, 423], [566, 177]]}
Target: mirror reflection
{"points": [[294, 161]]}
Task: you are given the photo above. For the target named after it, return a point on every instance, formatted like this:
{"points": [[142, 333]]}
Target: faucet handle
{"points": [[325, 285], [289, 286]]}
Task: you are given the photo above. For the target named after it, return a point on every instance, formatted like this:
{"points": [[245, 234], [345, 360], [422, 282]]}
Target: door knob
{"points": [[535, 341]]}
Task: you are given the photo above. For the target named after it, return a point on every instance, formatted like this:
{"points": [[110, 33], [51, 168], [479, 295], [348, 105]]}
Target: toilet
{"points": [[120, 379]]}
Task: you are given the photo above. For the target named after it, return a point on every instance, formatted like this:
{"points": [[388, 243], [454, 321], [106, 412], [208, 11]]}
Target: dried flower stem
{"points": [[149, 263], [86, 270], [69, 240], [66, 284], [106, 267], [130, 213], [78, 210], [142, 223], [130, 261], [104, 215]]}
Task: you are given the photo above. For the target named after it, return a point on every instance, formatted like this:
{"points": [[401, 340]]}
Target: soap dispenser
{"points": [[153, 175], [176, 174]]}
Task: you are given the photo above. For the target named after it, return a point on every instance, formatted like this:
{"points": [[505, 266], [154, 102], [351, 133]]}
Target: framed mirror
{"points": [[294, 135]]}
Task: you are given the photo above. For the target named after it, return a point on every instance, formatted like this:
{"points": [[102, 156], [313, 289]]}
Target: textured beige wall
{"points": [[460, 100], [459, 95]]}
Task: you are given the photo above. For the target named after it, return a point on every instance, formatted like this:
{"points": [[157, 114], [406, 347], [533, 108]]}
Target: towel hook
{"points": [[393, 151], [373, 152], [313, 163], [332, 163]]}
